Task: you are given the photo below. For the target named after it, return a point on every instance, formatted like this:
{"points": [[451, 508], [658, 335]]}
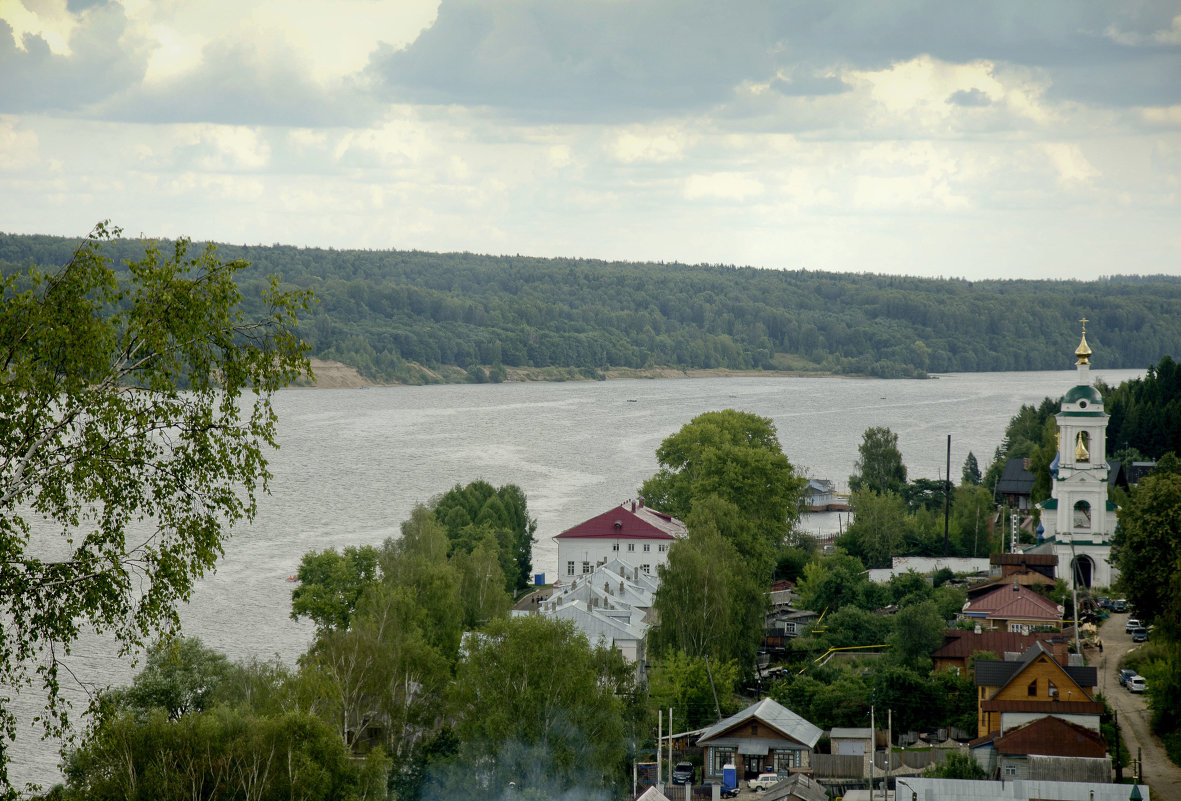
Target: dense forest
{"points": [[409, 316]]}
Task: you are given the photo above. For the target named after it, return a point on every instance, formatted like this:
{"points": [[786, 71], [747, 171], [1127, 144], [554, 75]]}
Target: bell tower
{"points": [[1078, 519]]}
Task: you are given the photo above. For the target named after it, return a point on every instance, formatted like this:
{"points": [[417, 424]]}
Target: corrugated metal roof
{"points": [[773, 714]]}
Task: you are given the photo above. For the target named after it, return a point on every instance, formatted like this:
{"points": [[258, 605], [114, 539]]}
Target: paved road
{"points": [[1157, 771]]}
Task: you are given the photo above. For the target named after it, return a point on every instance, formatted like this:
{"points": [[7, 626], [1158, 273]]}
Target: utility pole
{"points": [[947, 502], [873, 749], [659, 745]]}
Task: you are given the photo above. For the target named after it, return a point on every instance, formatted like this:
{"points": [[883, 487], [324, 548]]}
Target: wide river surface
{"points": [[353, 463]]}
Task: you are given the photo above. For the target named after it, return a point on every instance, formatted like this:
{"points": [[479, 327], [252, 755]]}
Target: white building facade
{"points": [[632, 532], [1078, 521]]}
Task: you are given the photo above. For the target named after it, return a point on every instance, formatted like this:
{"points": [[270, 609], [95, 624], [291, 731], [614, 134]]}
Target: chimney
{"points": [[633, 507], [641, 501]]}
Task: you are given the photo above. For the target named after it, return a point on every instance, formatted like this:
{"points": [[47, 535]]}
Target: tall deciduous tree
{"points": [[736, 457], [331, 583], [879, 463], [1147, 542], [709, 604], [134, 410], [534, 698], [878, 530]]}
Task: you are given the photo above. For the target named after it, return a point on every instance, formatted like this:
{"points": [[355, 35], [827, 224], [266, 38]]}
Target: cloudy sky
{"points": [[923, 137]]}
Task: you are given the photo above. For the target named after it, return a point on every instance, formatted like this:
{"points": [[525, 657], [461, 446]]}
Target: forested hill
{"points": [[386, 312]]}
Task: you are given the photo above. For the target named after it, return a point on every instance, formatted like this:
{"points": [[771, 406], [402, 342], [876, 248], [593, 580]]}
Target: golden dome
{"points": [[1083, 351]]}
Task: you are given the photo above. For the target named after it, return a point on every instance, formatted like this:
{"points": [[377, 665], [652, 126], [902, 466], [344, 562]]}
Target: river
{"points": [[353, 463]]}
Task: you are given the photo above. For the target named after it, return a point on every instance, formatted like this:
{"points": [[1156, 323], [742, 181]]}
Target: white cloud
{"points": [[48, 19], [728, 186], [18, 146], [1069, 162], [649, 145]]}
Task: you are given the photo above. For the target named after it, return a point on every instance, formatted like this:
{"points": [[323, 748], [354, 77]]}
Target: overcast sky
{"points": [[975, 139]]}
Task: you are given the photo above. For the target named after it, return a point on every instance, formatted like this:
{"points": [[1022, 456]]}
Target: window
{"points": [[1053, 689], [754, 730], [569, 568], [786, 760], [615, 547], [586, 567], [662, 547], [1082, 515], [646, 568], [1010, 770], [631, 546], [722, 757], [1031, 690], [647, 547]]}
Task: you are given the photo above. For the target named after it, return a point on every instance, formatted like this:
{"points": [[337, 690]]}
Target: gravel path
{"points": [[1156, 771]]}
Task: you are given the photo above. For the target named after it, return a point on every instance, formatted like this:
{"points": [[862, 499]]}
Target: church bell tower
{"points": [[1078, 518]]}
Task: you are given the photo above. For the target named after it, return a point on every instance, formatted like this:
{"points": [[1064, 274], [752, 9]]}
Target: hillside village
{"points": [[695, 644]]}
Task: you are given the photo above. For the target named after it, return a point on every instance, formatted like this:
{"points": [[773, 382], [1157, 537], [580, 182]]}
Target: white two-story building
{"points": [[632, 532]]}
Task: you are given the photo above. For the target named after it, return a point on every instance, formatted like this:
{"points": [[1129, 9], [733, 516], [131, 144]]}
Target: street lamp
{"points": [[914, 796]]}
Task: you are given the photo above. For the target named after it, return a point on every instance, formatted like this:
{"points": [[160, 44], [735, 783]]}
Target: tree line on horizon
{"points": [[412, 316]]}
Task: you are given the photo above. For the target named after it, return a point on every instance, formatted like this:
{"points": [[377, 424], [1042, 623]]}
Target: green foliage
{"points": [[221, 753], [734, 457], [702, 691], [879, 463], [918, 631], [971, 471], [972, 510], [709, 604], [958, 765], [838, 580], [878, 529], [331, 583], [383, 677], [133, 417], [533, 698], [1147, 542], [388, 312], [1146, 412], [470, 513], [180, 676]]}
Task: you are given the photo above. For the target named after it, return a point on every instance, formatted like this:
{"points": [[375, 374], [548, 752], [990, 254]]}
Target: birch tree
{"points": [[135, 406]]}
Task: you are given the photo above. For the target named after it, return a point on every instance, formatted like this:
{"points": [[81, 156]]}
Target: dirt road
{"points": [[1156, 771]]}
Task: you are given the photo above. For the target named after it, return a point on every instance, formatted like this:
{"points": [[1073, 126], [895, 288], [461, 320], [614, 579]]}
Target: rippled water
{"points": [[353, 463]]}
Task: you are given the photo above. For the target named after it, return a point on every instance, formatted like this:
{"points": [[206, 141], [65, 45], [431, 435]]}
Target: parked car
{"points": [[764, 781], [1140, 634], [1137, 684], [1132, 623], [1105, 603], [1124, 675], [727, 792], [1119, 605], [683, 773]]}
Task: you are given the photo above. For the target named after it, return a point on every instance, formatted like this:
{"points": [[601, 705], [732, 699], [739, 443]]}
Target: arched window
{"points": [[1082, 515]]}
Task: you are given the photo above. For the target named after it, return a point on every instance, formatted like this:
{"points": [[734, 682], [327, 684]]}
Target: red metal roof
{"points": [[960, 644], [1051, 736], [1014, 602], [625, 523]]}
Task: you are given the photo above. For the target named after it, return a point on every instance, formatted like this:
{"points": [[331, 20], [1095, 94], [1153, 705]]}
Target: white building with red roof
{"points": [[632, 532]]}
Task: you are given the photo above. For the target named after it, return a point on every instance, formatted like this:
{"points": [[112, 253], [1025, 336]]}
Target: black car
{"points": [[683, 773]]}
